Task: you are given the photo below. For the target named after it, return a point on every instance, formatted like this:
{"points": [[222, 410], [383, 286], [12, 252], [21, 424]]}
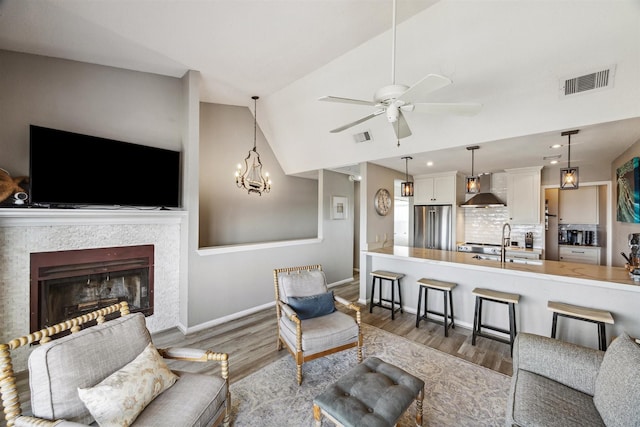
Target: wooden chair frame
{"points": [[286, 310], [9, 390]]}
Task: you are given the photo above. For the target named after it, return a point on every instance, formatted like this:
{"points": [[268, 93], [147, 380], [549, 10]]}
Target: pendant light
{"points": [[472, 182], [251, 179], [406, 188], [569, 175]]}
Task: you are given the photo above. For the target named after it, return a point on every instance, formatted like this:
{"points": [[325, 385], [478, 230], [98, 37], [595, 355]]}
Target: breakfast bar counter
{"points": [[536, 281]]}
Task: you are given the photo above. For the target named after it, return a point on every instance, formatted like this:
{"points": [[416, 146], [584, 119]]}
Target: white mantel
{"points": [[23, 231]]}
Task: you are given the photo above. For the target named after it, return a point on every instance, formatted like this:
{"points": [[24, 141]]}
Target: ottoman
{"points": [[373, 394]]}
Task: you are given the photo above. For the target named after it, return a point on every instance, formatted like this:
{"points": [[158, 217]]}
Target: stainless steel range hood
{"points": [[484, 199]]}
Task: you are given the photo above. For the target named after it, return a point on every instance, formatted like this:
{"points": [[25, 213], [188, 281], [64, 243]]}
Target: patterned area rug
{"points": [[457, 392]]}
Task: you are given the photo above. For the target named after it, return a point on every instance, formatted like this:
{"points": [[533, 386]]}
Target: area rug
{"points": [[457, 392]]}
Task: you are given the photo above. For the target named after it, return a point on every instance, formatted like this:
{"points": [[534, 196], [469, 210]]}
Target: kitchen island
{"points": [[602, 287]]}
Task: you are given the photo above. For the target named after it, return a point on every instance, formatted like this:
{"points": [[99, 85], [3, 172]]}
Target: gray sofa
{"points": [[556, 383], [111, 374]]}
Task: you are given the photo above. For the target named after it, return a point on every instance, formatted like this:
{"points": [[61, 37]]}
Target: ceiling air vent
{"points": [[598, 80], [363, 137]]}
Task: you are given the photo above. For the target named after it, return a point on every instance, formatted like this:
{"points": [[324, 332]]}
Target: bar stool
{"points": [[599, 317], [500, 297], [393, 278], [445, 288]]}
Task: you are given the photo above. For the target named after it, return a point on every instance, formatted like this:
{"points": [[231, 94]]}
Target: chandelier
{"points": [[251, 178], [569, 175]]}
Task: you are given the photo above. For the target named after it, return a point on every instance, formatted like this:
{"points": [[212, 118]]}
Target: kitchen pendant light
{"points": [[406, 188], [569, 175], [251, 179], [473, 181]]}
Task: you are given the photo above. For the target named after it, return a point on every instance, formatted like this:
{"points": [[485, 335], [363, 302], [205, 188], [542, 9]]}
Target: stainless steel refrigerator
{"points": [[432, 227]]}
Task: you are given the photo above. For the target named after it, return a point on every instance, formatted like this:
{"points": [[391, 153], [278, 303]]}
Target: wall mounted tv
{"points": [[73, 170]]}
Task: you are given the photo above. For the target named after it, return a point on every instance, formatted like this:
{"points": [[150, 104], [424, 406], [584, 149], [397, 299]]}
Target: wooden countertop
{"points": [[597, 275]]}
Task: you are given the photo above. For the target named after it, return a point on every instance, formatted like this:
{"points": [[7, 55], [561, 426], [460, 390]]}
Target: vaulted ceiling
{"points": [[511, 57]]}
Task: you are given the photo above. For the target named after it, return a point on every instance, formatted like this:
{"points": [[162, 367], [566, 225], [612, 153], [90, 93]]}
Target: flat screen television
{"points": [[68, 169]]}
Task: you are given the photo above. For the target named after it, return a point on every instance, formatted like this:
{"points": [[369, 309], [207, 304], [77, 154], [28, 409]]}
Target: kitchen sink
{"points": [[511, 260]]}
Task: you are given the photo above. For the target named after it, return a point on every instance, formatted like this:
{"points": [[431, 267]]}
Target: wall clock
{"points": [[382, 201]]}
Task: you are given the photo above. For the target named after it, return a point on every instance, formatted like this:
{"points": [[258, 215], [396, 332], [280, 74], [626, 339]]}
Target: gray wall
{"points": [[84, 98], [288, 211], [163, 112], [224, 283]]}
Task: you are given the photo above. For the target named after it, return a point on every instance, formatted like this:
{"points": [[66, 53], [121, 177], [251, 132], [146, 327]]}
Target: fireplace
{"points": [[67, 284]]}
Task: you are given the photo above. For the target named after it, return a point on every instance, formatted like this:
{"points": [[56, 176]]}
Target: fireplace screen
{"points": [[68, 284]]}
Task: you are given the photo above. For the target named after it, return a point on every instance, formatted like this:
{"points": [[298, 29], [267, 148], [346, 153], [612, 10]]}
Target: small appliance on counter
{"points": [[528, 240]]}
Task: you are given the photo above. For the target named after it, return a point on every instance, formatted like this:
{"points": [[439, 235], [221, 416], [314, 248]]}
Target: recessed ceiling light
{"points": [[553, 159], [429, 163], [556, 146]]}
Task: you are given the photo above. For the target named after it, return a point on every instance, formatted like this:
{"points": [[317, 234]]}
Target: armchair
{"points": [[309, 326], [111, 373]]}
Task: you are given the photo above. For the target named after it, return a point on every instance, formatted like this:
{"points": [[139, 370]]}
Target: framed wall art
{"points": [[339, 207], [628, 185]]}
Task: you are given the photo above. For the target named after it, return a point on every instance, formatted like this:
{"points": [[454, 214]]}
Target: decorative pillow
{"points": [[617, 388], [313, 306], [122, 396]]}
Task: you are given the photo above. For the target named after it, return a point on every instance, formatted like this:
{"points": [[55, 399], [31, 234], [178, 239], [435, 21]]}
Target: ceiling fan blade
{"points": [[401, 127], [345, 100], [428, 84], [364, 119], [465, 108]]}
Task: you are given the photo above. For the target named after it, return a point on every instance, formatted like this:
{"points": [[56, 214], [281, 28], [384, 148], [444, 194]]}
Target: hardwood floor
{"points": [[251, 342]]}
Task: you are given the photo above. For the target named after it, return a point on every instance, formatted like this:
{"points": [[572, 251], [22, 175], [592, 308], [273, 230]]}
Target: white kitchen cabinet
{"points": [[523, 195], [435, 190], [582, 254], [579, 206]]}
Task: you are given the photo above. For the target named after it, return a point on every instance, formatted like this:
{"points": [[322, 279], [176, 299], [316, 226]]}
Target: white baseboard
{"points": [[240, 314]]}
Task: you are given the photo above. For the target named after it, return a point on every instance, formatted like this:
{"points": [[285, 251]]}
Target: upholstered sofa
{"points": [[111, 374], [556, 383]]}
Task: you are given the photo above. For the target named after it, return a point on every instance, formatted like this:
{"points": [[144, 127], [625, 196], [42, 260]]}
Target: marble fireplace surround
{"points": [[23, 231]]}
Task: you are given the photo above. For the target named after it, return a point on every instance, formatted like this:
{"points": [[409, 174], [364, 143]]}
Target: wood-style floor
{"points": [[251, 342]]}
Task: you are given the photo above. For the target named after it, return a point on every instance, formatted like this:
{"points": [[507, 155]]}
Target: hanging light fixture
{"points": [[569, 175], [406, 188], [473, 181], [251, 179]]}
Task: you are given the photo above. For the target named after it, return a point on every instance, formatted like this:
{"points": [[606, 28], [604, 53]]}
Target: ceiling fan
{"points": [[395, 99]]}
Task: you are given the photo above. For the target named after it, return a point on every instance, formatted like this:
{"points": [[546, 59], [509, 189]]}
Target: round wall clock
{"points": [[382, 201]]}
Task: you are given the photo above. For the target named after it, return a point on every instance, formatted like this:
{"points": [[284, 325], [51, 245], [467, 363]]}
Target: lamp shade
{"points": [[406, 188], [569, 179]]}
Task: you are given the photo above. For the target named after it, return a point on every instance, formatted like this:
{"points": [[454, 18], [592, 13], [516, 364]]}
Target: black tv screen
{"points": [[71, 170]]}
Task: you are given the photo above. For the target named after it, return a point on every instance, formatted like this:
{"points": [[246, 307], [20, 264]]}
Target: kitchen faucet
{"points": [[506, 242]]}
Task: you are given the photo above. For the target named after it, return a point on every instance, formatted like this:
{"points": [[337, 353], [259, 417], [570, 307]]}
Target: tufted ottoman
{"points": [[372, 394]]}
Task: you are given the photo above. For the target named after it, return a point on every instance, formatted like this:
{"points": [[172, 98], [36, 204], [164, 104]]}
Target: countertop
{"points": [[575, 272]]}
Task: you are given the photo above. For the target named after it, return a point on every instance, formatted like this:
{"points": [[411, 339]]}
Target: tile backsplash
{"points": [[484, 225]]}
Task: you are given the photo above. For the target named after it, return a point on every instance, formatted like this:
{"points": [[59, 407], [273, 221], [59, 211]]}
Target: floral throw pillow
{"points": [[122, 396]]}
